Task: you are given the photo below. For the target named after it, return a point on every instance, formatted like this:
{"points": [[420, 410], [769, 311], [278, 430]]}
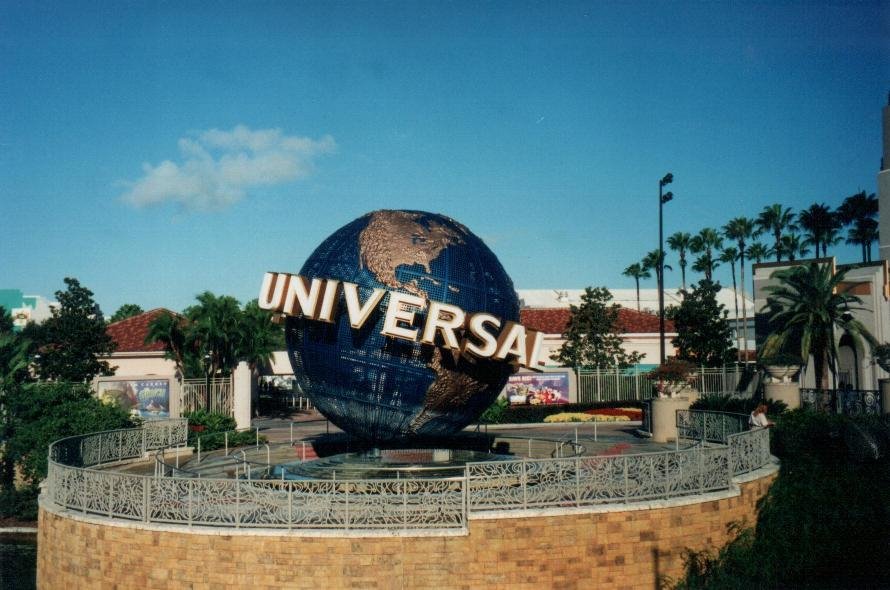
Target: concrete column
{"points": [[244, 384], [664, 417]]}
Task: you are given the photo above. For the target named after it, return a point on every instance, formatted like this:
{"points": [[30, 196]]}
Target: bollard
{"points": [[227, 441], [291, 433], [258, 437], [199, 450]]}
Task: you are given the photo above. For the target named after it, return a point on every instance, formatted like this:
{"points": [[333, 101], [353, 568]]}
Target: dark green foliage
{"points": [[215, 334], [5, 321], [211, 427], [591, 339], [45, 412], [527, 414], [37, 415], [824, 522], [495, 412], [127, 310], [703, 333], [69, 342], [805, 311]]}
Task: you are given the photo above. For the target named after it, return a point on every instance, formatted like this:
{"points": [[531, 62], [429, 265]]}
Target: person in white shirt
{"points": [[758, 418]]}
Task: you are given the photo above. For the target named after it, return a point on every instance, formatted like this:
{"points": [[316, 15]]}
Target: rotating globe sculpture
{"points": [[380, 388]]}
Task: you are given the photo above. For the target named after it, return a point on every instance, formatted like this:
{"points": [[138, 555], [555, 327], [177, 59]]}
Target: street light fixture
{"points": [[662, 199]]}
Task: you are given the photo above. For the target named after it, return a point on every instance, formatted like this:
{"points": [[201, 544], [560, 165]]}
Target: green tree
{"points": [[730, 255], [127, 310], [13, 374], [704, 243], [259, 336], [68, 344], [806, 310], [215, 334], [45, 412], [819, 225], [859, 212], [793, 247], [703, 333], [637, 272], [741, 230], [591, 339], [650, 262], [775, 219], [679, 242]]}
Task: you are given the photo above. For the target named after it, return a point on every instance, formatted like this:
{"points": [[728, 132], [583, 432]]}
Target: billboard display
{"points": [[538, 388], [147, 398]]}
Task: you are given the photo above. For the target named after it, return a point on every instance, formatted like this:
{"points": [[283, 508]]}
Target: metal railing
{"points": [[610, 386], [849, 402], [193, 396], [407, 503]]}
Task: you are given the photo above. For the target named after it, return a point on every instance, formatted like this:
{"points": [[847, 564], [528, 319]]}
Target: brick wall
{"points": [[614, 549]]}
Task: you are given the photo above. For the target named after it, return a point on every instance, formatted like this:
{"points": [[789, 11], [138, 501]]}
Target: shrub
{"points": [[718, 402], [528, 414], [211, 429]]}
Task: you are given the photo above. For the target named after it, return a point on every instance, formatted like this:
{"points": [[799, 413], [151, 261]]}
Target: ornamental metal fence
{"points": [[193, 395], [849, 402], [76, 482], [616, 386]]}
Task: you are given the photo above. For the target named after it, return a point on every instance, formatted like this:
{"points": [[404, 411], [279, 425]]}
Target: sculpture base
{"points": [[664, 417], [788, 393]]}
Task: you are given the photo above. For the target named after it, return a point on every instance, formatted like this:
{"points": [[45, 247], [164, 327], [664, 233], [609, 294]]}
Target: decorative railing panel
{"points": [[849, 402], [710, 426], [749, 450], [400, 504], [500, 485]]}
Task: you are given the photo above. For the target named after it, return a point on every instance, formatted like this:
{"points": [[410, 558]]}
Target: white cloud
{"points": [[219, 167]]}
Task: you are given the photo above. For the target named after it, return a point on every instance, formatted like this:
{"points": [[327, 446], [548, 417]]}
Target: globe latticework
{"points": [[381, 388]]}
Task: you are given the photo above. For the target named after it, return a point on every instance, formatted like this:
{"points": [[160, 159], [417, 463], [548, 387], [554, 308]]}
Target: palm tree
{"points": [[740, 230], [775, 219], [650, 262], [806, 307], [860, 211], [817, 222], [704, 243], [793, 247], [169, 330], [756, 252], [258, 336], [214, 328], [637, 271], [729, 255], [679, 242]]}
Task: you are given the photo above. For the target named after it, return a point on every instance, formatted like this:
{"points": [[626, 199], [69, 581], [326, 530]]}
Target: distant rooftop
{"points": [[626, 298], [129, 334], [555, 320]]}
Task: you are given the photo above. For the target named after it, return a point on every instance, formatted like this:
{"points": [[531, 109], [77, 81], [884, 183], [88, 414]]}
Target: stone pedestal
{"points": [[664, 417], [885, 395], [789, 393]]}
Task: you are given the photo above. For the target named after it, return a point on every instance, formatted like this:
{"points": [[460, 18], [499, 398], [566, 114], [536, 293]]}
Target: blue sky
{"points": [[156, 150]]}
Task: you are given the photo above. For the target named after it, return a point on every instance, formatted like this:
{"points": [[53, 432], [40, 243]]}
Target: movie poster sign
{"points": [[538, 388], [147, 398]]}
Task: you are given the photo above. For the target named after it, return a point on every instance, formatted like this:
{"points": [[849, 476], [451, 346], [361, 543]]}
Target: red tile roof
{"points": [[555, 320], [129, 334]]}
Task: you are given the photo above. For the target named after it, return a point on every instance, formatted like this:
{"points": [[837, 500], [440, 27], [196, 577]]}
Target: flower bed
{"points": [[629, 413], [583, 417]]}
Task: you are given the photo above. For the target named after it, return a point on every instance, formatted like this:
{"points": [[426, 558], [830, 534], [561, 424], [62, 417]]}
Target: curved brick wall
{"points": [[610, 547]]}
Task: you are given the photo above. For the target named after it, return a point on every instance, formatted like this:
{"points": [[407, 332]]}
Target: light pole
{"points": [[662, 199], [207, 359]]}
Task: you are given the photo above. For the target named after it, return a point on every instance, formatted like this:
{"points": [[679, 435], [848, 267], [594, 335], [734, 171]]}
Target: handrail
{"points": [[75, 483]]}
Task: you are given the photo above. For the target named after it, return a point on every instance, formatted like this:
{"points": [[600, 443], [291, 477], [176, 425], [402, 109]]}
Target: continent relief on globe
{"points": [[393, 238], [429, 265]]}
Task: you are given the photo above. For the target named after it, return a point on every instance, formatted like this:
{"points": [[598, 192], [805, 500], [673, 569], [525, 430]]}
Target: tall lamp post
{"points": [[662, 199], [207, 359]]}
